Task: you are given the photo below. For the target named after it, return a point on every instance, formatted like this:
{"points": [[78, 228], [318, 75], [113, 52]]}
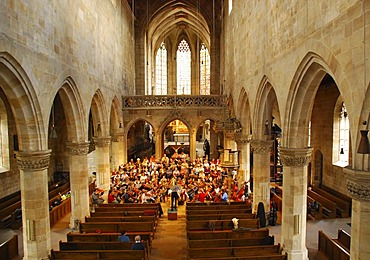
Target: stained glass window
{"points": [[161, 71], [183, 58], [205, 75]]}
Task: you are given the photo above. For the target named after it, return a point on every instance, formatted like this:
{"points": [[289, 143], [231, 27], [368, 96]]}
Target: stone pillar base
{"points": [[297, 254]]}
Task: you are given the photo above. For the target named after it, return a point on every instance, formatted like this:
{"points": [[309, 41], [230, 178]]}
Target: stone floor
{"points": [[170, 239]]}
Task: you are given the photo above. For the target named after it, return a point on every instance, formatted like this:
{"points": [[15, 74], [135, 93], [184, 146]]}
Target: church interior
{"points": [[271, 98]]}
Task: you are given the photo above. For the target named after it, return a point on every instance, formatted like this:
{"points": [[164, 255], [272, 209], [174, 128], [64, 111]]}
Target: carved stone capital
{"points": [[33, 161], [242, 138], [78, 148], [358, 184], [118, 138], [102, 141], [295, 157], [261, 146]]}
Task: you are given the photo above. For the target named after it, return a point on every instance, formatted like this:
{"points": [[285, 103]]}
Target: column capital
{"points": [[120, 137], [295, 157], [261, 146], [102, 141], [33, 160], [358, 184], [242, 138], [78, 148]]}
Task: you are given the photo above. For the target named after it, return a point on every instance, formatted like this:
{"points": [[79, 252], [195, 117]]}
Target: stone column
{"points": [[35, 203], [294, 212], [193, 144], [261, 173], [243, 143], [159, 149], [79, 181], [358, 185], [102, 145], [118, 158]]}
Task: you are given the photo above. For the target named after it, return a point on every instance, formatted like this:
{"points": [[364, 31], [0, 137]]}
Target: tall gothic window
{"points": [[205, 71], [343, 136], [161, 71], [183, 57]]}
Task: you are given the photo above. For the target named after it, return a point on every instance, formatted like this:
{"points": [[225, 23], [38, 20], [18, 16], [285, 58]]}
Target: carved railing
{"points": [[215, 101]]}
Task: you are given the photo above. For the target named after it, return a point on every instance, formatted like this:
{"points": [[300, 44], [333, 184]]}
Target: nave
{"points": [[170, 241]]}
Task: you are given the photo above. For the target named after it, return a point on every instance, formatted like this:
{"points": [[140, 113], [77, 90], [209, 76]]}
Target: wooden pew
{"points": [[117, 227], [313, 214], [231, 242], [118, 213], [218, 207], [64, 246], [58, 212], [8, 246], [130, 205], [221, 224], [331, 249], [219, 211], [226, 234], [255, 257], [107, 237], [232, 203], [6, 214], [344, 239], [99, 254], [121, 219], [328, 207], [343, 208], [338, 194], [221, 252], [220, 216]]}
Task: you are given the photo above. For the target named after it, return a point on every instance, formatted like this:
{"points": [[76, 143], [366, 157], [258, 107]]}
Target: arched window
{"points": [[205, 71], [343, 136], [4, 139], [161, 71], [183, 57]]}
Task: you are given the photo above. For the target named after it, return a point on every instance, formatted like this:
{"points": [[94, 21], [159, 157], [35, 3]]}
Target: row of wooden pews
{"points": [[10, 206], [335, 249], [98, 236], [211, 233], [321, 203]]}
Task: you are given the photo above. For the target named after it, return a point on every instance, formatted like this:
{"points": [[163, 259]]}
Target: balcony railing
{"points": [[215, 101]]}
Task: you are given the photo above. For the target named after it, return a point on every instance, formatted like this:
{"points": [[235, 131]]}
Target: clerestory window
{"points": [[183, 58], [161, 71]]}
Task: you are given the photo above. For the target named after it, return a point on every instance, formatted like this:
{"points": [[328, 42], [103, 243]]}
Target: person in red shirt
{"points": [[202, 195]]}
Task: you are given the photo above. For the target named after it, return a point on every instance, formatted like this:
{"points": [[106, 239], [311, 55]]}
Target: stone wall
{"points": [[270, 40], [89, 41]]}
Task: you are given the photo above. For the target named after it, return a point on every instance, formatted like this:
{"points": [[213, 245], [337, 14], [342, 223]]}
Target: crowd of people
{"points": [[151, 181]]}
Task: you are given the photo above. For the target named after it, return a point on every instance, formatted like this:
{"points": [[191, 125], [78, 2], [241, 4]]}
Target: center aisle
{"points": [[170, 237]]}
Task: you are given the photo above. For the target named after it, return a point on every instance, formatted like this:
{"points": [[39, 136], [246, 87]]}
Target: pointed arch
{"points": [[99, 113], [24, 104], [243, 111], [266, 107], [74, 110], [115, 116]]}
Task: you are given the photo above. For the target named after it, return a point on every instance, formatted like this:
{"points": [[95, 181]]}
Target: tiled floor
{"points": [[170, 238]]}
